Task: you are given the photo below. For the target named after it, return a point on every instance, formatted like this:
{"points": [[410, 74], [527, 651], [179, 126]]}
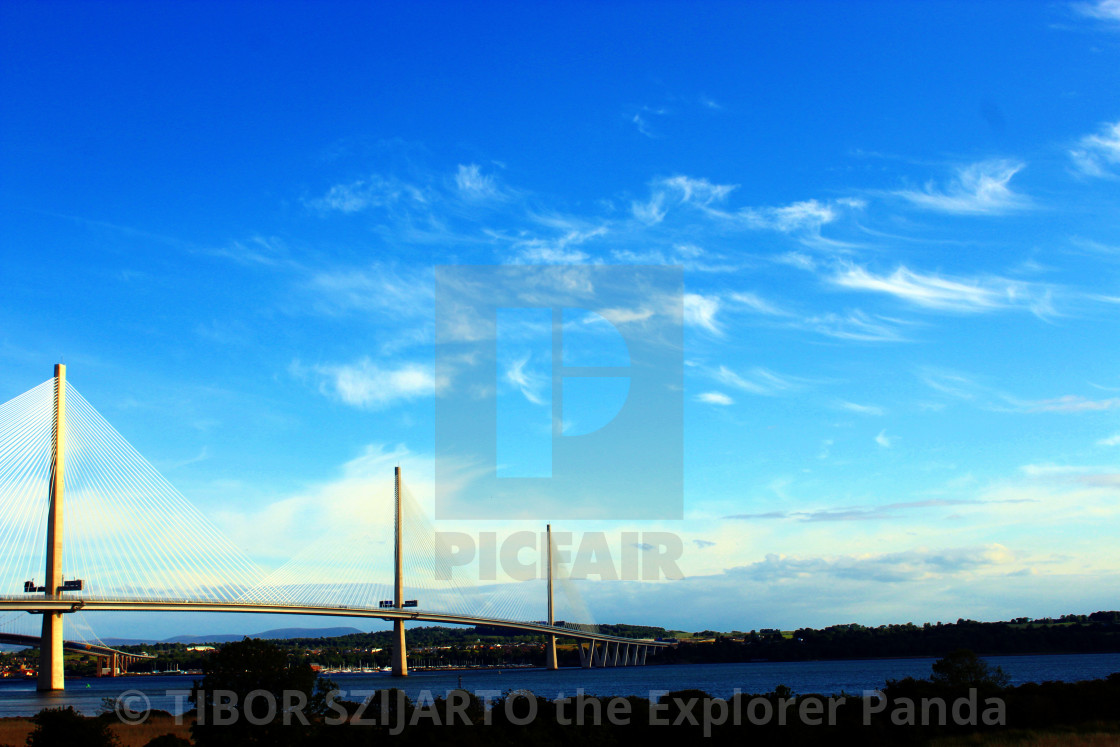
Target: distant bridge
{"points": [[178, 562], [118, 661]]}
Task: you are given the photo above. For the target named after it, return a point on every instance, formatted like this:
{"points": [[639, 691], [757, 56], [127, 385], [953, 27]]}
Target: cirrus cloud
{"points": [[977, 189]]}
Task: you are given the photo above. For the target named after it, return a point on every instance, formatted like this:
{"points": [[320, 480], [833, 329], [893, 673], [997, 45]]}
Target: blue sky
{"points": [[898, 225]]}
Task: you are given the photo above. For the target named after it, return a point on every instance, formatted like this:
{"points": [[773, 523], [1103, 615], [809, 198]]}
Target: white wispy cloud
{"points": [[473, 184], [369, 385], [714, 398], [376, 191], [962, 387], [262, 251], [808, 215], [643, 126], [642, 117], [689, 256], [1095, 476], [620, 315], [755, 303], [952, 383], [1095, 155], [652, 210], [389, 289], [1113, 440], [924, 290], [697, 191], [866, 513], [797, 259], [1105, 10], [700, 311], [891, 567], [757, 381], [710, 103], [331, 507], [529, 381], [883, 439], [948, 293], [977, 188], [1074, 403], [856, 326], [562, 249], [678, 190], [803, 219]]}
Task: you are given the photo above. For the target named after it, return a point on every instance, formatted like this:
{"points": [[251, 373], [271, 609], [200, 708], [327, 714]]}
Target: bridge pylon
{"points": [[550, 647], [400, 651], [50, 650]]}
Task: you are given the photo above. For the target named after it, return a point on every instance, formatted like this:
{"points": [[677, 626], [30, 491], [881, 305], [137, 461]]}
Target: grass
{"points": [[14, 731], [1095, 734]]}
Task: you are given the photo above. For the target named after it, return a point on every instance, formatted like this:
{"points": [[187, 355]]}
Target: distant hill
{"points": [[278, 633]]}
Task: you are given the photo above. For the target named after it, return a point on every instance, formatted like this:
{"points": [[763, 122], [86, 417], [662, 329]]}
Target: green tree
{"points": [[251, 694], [963, 668], [65, 727]]}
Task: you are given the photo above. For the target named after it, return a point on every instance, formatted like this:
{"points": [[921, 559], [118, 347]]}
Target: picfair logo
{"points": [[562, 392]]}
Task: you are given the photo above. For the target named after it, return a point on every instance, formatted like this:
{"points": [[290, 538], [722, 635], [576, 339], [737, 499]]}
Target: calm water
{"points": [[18, 698]]}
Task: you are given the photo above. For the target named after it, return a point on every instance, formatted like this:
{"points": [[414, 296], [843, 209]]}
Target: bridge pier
{"points": [[610, 655], [400, 653], [51, 676], [603, 654], [550, 654]]}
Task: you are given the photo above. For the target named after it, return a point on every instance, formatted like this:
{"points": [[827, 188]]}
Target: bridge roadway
{"points": [[33, 641], [589, 656], [123, 605], [118, 661]]}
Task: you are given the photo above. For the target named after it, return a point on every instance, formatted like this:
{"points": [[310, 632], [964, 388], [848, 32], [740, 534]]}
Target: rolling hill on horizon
{"points": [[277, 633]]}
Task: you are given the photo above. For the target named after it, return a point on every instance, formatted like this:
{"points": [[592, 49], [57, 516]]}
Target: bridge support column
{"points": [[585, 654], [400, 653], [550, 661], [51, 675], [114, 664], [50, 643], [642, 655]]}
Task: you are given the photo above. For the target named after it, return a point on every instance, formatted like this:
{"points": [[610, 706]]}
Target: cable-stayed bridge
{"points": [[105, 531]]}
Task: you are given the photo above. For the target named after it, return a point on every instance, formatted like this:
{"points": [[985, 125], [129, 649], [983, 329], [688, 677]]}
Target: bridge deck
{"points": [[18, 639], [121, 605]]}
